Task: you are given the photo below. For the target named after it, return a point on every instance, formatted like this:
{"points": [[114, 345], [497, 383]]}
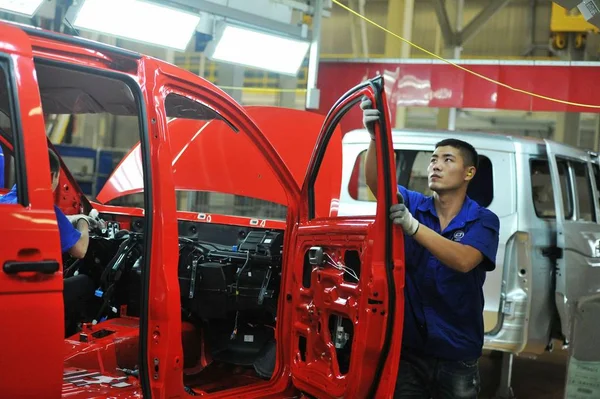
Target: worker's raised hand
{"points": [[400, 215], [370, 115]]}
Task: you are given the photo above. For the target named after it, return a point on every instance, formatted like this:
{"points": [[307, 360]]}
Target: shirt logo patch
{"points": [[458, 236]]}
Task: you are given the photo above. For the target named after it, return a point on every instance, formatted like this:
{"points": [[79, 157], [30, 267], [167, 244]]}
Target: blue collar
{"points": [[468, 213]]}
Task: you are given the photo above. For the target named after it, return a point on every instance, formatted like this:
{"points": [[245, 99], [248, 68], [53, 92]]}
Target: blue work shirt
{"points": [[444, 308], [69, 235]]}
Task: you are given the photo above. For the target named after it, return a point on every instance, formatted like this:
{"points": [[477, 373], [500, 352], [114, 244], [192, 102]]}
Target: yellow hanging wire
{"points": [[509, 87]]}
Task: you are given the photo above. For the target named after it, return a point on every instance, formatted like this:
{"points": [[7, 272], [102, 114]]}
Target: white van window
{"points": [[411, 171], [543, 194], [596, 169], [585, 199]]}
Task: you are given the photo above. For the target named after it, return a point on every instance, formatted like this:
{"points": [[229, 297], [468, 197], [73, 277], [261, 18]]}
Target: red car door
{"points": [[345, 278], [173, 93], [31, 305]]}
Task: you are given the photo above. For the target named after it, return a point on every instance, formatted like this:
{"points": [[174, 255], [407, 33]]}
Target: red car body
{"points": [[38, 362]]}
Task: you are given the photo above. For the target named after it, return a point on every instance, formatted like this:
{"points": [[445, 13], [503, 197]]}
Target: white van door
{"points": [[577, 273]]}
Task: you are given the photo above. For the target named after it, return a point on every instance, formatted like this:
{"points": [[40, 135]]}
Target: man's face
{"points": [[447, 171], [55, 177]]}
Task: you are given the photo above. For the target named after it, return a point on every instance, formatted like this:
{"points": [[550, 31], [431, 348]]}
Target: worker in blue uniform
{"points": [[73, 229], [450, 245], [74, 240]]}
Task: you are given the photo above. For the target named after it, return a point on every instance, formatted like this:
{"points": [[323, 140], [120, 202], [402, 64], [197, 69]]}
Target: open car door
{"points": [[31, 282], [578, 262], [346, 292]]}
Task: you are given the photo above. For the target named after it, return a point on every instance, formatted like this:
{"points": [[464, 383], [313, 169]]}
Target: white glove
{"points": [[74, 219], [399, 214], [370, 115]]}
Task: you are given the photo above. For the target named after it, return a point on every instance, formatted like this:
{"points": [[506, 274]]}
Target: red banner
{"points": [[435, 84]]}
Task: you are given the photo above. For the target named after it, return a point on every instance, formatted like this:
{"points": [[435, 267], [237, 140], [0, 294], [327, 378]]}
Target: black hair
{"points": [[467, 151], [54, 162]]}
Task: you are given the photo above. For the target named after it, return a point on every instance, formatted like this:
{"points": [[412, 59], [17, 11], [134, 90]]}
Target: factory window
{"points": [[596, 169], [585, 199], [411, 172], [542, 189], [92, 122]]}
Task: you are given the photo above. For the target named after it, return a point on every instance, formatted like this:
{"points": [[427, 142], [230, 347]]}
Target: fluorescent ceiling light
{"points": [[25, 7], [138, 20], [251, 48]]}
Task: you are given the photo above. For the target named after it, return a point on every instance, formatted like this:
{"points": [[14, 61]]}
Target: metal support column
{"points": [[363, 28], [446, 117], [596, 141], [395, 18], [312, 92], [356, 53], [399, 10], [409, 8], [455, 39], [505, 387], [567, 128], [460, 4], [232, 76], [287, 99], [170, 56], [567, 124]]}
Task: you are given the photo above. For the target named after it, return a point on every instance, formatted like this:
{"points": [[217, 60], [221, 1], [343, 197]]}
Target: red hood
{"points": [[199, 149]]}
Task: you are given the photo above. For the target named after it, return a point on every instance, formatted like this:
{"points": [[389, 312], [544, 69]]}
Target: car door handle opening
{"points": [[44, 266]]}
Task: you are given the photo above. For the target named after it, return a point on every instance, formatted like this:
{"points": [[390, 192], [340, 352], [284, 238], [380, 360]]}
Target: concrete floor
{"points": [[540, 378]]}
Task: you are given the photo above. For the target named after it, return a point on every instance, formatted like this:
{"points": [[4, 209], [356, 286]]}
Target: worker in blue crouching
{"points": [[74, 240], [450, 245]]}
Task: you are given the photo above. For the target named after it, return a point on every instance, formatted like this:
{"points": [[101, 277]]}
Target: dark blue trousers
{"points": [[429, 377]]}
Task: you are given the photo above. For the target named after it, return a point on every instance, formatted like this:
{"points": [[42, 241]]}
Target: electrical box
{"points": [[590, 9]]}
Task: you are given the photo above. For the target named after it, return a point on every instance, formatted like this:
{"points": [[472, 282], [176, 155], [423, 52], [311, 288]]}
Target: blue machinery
{"points": [[90, 167]]}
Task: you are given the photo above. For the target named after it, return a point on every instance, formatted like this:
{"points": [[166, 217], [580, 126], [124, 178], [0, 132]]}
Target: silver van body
{"points": [[548, 261]]}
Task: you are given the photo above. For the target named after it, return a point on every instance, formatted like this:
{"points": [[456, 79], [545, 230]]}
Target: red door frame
{"points": [[32, 362], [377, 300], [160, 334]]}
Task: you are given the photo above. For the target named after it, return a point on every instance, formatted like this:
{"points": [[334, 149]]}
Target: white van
{"points": [[547, 274]]}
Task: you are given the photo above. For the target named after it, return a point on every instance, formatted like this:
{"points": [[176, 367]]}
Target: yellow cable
{"points": [[461, 67]]}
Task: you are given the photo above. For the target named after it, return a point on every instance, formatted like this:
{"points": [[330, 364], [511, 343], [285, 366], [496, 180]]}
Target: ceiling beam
{"points": [[477, 23], [450, 38]]}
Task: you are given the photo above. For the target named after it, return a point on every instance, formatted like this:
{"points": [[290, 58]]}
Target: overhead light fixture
{"points": [[23, 7], [138, 20], [252, 48]]}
